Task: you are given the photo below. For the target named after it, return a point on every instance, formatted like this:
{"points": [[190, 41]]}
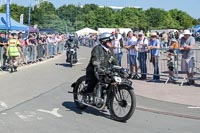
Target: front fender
{"points": [[127, 86], [111, 91]]}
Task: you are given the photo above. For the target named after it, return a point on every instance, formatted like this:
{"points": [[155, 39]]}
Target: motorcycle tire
{"points": [[71, 60], [111, 101], [80, 82]]}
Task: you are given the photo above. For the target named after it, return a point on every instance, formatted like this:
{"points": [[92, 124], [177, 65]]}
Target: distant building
{"points": [[120, 8], [116, 7]]}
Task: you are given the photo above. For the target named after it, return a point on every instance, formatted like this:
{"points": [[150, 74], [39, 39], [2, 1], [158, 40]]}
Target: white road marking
{"points": [[191, 107], [28, 115], [53, 112], [3, 105], [4, 113], [23, 117]]}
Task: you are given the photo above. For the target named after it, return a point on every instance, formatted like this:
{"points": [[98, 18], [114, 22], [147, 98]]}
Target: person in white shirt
{"points": [[50, 44], [131, 46], [142, 44], [117, 46]]}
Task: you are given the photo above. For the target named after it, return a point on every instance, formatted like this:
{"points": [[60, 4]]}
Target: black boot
{"points": [[15, 69], [11, 70]]}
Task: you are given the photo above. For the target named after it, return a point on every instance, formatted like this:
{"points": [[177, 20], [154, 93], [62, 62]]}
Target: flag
{"points": [[22, 18], [8, 22], [29, 16]]}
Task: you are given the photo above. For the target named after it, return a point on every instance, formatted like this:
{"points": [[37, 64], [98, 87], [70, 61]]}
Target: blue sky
{"points": [[192, 7]]}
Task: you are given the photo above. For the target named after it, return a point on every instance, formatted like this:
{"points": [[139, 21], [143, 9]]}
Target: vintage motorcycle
{"points": [[113, 90], [71, 54]]}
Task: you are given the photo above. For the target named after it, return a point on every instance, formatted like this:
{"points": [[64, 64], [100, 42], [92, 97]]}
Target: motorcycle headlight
{"points": [[118, 79]]}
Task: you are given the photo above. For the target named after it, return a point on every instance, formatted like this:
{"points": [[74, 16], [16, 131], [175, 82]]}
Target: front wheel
{"points": [[71, 60], [122, 103]]}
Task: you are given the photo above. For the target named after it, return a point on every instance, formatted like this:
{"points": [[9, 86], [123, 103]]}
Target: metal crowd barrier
{"points": [[54, 49], [34, 53], [60, 47], [163, 66], [41, 51], [1, 57], [29, 53]]}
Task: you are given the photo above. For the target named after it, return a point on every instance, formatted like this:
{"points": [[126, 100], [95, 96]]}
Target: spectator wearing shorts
{"points": [[154, 46], [187, 43], [132, 48]]}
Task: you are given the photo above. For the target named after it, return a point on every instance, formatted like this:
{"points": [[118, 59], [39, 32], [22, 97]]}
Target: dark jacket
{"points": [[105, 58]]}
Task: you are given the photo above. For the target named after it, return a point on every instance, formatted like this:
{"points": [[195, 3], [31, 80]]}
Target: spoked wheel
{"points": [[80, 84], [122, 103]]}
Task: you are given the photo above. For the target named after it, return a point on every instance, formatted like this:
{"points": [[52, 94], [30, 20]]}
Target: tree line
{"points": [[75, 17]]}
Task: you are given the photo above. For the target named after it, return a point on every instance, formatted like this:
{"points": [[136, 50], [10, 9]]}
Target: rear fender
{"points": [[73, 85], [82, 78]]}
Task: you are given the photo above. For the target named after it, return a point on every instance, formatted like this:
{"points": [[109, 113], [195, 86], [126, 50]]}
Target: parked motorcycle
{"points": [[114, 91]]}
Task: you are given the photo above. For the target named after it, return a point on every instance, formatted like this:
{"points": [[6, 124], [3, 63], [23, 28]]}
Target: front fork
{"points": [[117, 93]]}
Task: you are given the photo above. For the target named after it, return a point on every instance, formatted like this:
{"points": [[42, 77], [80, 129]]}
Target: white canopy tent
{"points": [[86, 31], [110, 30]]}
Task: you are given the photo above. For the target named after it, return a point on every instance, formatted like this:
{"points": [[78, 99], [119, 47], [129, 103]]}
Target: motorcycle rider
{"points": [[70, 43], [101, 56]]}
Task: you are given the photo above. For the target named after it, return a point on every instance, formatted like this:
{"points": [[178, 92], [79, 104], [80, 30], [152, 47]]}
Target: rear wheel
{"points": [[122, 103], [80, 84]]}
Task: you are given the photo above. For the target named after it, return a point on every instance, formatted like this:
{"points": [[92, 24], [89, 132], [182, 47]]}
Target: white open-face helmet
{"points": [[104, 37]]}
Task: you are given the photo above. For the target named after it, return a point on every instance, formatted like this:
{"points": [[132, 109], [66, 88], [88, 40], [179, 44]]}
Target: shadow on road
{"points": [[89, 110], [63, 64]]}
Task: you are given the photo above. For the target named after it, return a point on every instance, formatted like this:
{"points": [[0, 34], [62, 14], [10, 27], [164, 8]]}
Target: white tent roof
{"points": [[110, 30], [86, 31]]}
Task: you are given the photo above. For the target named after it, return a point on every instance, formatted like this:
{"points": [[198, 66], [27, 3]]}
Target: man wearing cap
{"points": [[154, 46], [117, 46], [187, 43], [142, 44]]}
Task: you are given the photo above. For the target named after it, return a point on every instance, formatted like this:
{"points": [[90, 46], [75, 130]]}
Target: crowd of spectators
{"points": [[138, 45], [176, 45], [28, 46]]}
